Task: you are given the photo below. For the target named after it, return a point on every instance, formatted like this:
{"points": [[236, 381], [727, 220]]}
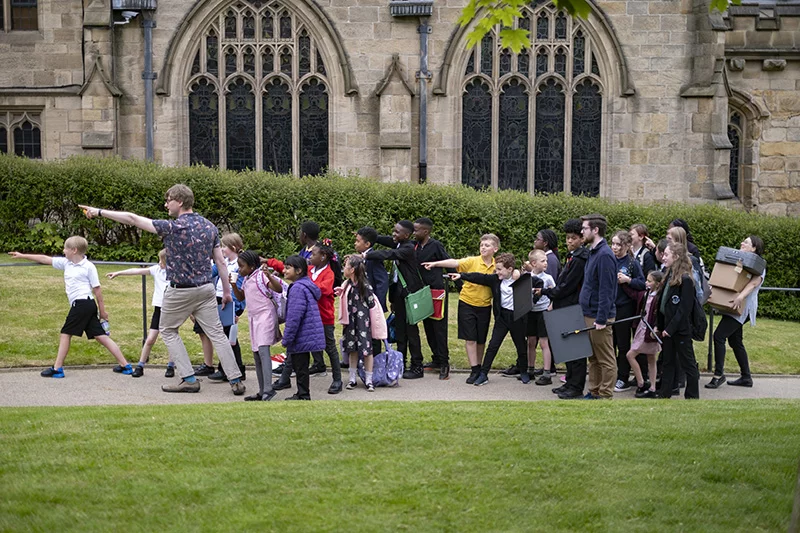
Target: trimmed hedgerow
{"points": [[38, 210]]}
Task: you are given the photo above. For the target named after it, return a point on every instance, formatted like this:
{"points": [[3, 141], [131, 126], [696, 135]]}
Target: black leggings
{"points": [[622, 340], [729, 328]]}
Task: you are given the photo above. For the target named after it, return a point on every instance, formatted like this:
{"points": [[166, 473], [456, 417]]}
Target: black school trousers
{"points": [[504, 323]]}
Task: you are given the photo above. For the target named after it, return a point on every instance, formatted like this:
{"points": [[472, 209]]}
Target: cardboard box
{"points": [[731, 277], [722, 300]]}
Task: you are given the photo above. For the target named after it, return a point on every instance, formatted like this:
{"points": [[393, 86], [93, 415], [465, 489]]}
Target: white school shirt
{"points": [[79, 278], [316, 272], [544, 302], [160, 280], [507, 294], [233, 266]]}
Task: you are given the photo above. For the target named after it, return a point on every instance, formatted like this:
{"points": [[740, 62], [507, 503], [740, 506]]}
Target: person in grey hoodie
{"points": [[303, 332]]}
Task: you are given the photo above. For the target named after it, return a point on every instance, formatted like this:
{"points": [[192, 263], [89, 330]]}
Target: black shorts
{"points": [[156, 318], [536, 327], [82, 318], [473, 322]]}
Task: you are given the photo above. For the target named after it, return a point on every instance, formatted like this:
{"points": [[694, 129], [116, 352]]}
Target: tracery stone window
{"points": [[258, 92], [736, 137], [533, 121], [21, 134]]}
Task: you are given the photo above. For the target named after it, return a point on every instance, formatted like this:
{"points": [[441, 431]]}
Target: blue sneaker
{"points": [[590, 396], [53, 373], [483, 379], [525, 378], [126, 370]]}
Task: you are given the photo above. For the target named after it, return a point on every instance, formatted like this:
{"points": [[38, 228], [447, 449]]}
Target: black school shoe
{"points": [[278, 385], [169, 372], [741, 382], [415, 372], [510, 371], [138, 371], [204, 370], [570, 394], [715, 382], [444, 372]]}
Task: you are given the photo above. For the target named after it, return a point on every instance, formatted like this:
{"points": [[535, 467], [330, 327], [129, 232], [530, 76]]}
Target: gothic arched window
{"points": [[533, 121], [258, 92], [735, 136], [21, 134]]}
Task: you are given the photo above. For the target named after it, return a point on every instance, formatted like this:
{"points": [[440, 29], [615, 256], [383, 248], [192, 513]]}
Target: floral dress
{"points": [[357, 334]]}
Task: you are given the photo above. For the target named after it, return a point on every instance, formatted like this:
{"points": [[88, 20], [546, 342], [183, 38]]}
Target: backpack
{"points": [[699, 321], [701, 287], [280, 301], [387, 368]]}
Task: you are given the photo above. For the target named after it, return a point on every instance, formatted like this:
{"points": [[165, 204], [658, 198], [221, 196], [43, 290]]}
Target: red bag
{"points": [[439, 296]]}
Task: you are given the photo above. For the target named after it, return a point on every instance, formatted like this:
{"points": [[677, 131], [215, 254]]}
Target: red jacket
{"points": [[325, 283]]}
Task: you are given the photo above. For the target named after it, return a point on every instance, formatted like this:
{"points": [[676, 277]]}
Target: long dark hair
{"points": [[551, 239], [356, 262], [325, 248], [298, 263]]}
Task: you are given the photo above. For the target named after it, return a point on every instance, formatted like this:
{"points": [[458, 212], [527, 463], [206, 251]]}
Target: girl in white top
{"points": [[159, 274]]}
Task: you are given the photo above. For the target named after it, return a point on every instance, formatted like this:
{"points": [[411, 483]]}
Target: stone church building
{"points": [[645, 99]]}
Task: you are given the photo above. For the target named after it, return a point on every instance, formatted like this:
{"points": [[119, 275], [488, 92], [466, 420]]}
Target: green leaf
{"points": [[515, 40]]}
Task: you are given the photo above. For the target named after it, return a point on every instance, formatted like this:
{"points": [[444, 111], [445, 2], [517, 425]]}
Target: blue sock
{"points": [[237, 380], [190, 379], [170, 364], [140, 364]]}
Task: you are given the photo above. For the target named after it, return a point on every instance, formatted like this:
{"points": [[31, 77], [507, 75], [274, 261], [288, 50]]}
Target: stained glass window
{"points": [[513, 137], [526, 142], [578, 53], [203, 124], [280, 123], [587, 112], [248, 26], [505, 62], [476, 135], [541, 62], [267, 30], [304, 54], [561, 27], [735, 138], [313, 128], [286, 26], [487, 54], [240, 122], [249, 59], [230, 61], [230, 25], [549, 147], [3, 140], [561, 62], [212, 55], [277, 128], [267, 61], [542, 28]]}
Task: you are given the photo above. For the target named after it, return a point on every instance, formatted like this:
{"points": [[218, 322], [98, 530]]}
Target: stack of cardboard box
{"points": [[733, 270]]}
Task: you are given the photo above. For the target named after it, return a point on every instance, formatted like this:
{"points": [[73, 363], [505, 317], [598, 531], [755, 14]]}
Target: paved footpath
{"points": [[100, 386]]}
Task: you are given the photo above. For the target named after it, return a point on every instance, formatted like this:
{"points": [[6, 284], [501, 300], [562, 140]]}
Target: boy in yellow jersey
{"points": [[475, 301]]}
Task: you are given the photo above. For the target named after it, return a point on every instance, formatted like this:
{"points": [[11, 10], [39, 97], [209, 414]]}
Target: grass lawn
{"points": [[34, 305], [342, 466]]}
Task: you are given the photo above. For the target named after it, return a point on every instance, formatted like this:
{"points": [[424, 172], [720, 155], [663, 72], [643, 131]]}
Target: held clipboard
{"points": [[226, 314]]}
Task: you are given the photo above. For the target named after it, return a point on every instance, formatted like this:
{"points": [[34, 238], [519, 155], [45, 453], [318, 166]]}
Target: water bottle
{"points": [[106, 327]]}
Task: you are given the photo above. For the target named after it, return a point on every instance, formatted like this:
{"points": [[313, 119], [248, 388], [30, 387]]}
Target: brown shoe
{"points": [[183, 386], [238, 388]]}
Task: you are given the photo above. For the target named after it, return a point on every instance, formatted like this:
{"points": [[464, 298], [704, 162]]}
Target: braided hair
{"points": [[324, 246]]}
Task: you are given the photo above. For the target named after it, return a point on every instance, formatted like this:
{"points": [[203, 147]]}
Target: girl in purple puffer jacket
{"points": [[303, 332]]}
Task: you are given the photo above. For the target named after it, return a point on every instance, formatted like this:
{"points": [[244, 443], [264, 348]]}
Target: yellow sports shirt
{"points": [[472, 293]]}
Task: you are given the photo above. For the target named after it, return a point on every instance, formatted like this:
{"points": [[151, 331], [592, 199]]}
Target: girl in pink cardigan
{"points": [[362, 317]]}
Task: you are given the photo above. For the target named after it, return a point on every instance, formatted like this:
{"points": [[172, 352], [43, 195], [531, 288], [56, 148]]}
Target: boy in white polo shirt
{"points": [[83, 290]]}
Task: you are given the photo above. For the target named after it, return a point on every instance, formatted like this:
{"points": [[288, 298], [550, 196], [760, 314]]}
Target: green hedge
{"points": [[38, 209]]}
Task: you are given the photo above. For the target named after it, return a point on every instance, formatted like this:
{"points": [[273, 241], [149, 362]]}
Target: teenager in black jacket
{"points": [[674, 322], [401, 251], [503, 307], [566, 293]]}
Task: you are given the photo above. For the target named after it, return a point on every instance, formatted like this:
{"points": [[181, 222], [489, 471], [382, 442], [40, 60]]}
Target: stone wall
{"points": [[665, 139]]}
